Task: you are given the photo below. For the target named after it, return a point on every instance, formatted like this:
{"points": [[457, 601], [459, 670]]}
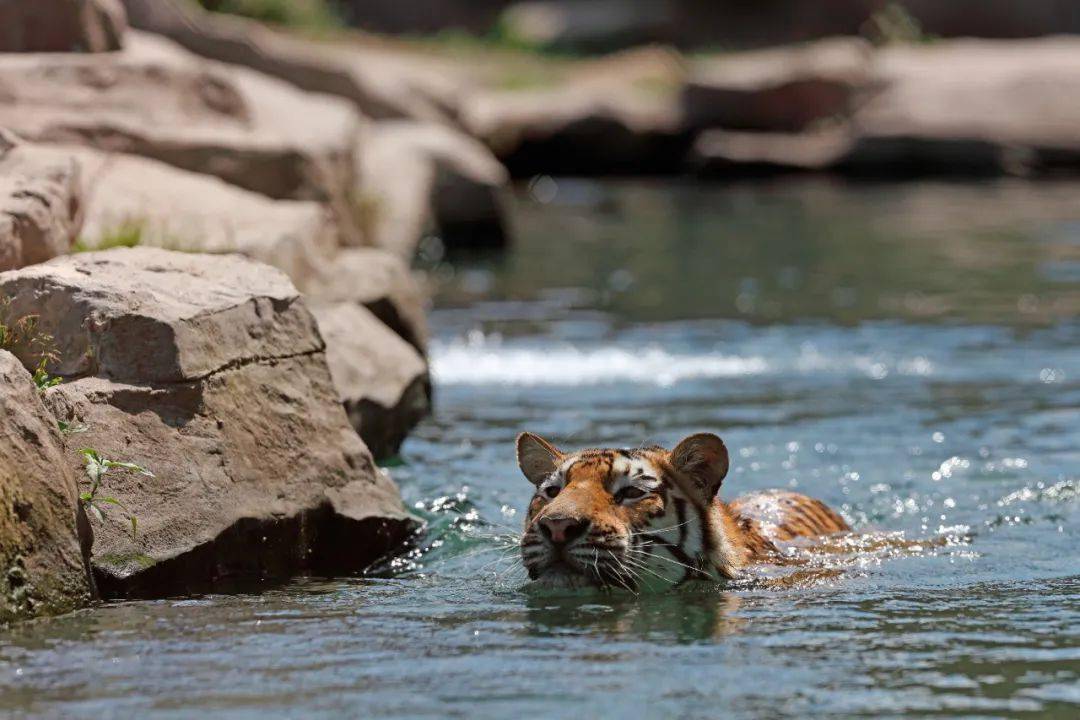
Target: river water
{"points": [[908, 353]]}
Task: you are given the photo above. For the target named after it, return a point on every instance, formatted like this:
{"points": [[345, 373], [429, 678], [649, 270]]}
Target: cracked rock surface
{"points": [[41, 563], [210, 372]]}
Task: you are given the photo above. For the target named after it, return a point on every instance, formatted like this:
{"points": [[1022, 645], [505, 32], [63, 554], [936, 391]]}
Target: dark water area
{"points": [[907, 353]]}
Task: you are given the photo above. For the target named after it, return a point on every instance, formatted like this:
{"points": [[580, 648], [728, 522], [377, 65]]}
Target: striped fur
{"points": [[651, 518]]}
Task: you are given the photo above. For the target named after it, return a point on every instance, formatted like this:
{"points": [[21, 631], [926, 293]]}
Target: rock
{"points": [[61, 25], [153, 204], [210, 372], [978, 105], [156, 100], [416, 177], [619, 114], [42, 569], [374, 81], [975, 107], [382, 380], [40, 203], [727, 151], [785, 89], [379, 281]]}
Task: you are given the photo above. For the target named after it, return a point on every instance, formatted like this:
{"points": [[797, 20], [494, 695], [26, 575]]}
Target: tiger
{"points": [[649, 518]]}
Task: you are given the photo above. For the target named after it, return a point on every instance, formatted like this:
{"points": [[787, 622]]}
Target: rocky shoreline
{"points": [[207, 226]]}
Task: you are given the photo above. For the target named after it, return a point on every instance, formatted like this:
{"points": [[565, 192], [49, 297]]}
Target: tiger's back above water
{"points": [[771, 516], [647, 516]]}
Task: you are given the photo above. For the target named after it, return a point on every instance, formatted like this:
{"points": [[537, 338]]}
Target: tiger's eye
{"points": [[630, 493], [551, 491]]}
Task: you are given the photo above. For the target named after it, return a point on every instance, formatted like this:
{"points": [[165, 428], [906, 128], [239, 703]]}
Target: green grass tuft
{"points": [[127, 234]]}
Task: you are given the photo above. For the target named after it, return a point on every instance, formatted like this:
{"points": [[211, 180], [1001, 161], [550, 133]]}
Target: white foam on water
{"points": [[473, 363], [479, 359]]}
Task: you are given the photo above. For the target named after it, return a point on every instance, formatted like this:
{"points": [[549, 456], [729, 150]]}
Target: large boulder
{"points": [[61, 25], [955, 107], [42, 569], [382, 380], [210, 372], [785, 89], [157, 100], [135, 200], [379, 281], [41, 201], [973, 104], [619, 114], [418, 177], [376, 81]]}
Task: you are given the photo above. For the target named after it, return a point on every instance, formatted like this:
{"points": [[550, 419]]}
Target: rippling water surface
{"points": [[907, 353]]}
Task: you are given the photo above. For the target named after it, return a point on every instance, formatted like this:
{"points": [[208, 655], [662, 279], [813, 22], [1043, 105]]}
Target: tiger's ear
{"points": [[536, 457], [704, 460]]}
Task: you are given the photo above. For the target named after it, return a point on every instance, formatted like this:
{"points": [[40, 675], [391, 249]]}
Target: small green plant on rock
{"points": [[23, 338], [68, 427], [43, 380], [126, 234], [96, 468]]}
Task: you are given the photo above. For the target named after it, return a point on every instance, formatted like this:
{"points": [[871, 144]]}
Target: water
{"points": [[908, 353]]}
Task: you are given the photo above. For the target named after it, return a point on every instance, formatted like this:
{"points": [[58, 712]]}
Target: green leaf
{"points": [[134, 527], [111, 501], [128, 466], [86, 497], [96, 512], [70, 428]]}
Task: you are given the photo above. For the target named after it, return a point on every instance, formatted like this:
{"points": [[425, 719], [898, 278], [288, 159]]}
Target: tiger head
{"points": [[631, 518]]}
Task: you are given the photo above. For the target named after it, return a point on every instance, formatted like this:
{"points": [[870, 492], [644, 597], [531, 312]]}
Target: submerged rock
{"points": [[210, 372], [42, 569], [41, 201], [61, 25], [382, 380]]}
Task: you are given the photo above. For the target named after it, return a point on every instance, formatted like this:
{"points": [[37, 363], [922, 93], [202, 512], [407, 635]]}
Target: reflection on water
{"points": [[907, 353]]}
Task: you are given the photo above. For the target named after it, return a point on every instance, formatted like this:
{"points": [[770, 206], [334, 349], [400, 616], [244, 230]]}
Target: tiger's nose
{"points": [[561, 531]]}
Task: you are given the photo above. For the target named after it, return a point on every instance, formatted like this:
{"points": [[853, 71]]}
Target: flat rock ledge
{"points": [[210, 372], [42, 569]]}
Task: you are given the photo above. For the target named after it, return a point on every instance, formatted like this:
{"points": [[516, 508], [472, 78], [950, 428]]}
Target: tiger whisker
{"points": [[641, 566], [661, 557]]}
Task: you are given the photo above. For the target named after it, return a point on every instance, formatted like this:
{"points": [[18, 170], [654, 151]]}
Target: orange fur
{"points": [[674, 512]]}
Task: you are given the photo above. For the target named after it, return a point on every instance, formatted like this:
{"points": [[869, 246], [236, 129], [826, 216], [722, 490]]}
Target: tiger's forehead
{"points": [[610, 464]]}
